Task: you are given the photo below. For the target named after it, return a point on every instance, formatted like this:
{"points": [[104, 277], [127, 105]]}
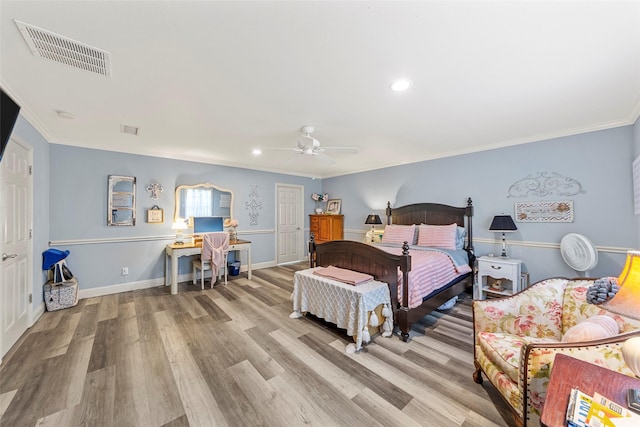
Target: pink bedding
{"points": [[343, 275], [430, 270]]}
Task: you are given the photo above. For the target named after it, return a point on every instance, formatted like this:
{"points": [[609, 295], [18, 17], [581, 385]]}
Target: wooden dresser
{"points": [[326, 227]]}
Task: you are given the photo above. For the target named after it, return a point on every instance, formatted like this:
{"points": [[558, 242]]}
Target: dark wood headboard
{"points": [[435, 214]]}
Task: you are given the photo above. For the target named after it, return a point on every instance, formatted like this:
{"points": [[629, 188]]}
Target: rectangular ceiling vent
{"points": [[64, 50]]}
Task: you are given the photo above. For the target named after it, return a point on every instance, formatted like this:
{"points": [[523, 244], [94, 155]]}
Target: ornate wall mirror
{"points": [[121, 208], [202, 200]]}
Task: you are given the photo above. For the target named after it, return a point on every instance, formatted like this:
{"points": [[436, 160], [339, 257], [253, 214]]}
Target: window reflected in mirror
{"points": [[202, 200]]}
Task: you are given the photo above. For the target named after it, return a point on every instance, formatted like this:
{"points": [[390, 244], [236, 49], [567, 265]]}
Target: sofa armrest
{"points": [[537, 363], [535, 311]]}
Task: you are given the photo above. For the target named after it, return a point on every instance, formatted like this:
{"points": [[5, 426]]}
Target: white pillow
{"points": [[438, 236], [399, 234]]}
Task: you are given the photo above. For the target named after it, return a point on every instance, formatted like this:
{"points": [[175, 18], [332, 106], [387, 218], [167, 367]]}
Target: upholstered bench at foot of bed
{"points": [[363, 310]]}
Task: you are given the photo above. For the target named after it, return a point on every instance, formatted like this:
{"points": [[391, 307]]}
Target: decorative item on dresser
{"points": [[325, 228], [393, 264]]}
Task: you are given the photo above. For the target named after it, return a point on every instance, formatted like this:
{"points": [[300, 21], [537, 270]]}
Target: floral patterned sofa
{"points": [[517, 338]]}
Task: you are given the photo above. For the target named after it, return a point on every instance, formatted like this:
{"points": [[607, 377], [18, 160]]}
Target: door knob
{"points": [[5, 256]]}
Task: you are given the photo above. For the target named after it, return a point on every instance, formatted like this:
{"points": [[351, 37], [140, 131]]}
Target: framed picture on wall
{"points": [[333, 206], [155, 215]]}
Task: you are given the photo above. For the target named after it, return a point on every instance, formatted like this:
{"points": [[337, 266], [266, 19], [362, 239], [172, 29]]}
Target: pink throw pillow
{"points": [[399, 234], [593, 328], [437, 236]]}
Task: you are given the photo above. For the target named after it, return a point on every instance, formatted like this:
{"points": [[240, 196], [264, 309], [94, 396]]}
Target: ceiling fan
{"points": [[308, 145]]}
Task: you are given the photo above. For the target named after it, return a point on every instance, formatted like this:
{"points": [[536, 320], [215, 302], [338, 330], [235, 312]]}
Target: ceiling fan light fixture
{"points": [[400, 85]]}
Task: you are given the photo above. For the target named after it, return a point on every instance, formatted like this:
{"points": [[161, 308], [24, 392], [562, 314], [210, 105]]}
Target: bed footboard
{"points": [[364, 258]]}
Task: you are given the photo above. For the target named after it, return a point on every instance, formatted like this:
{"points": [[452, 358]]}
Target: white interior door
{"points": [[15, 217], [290, 230]]}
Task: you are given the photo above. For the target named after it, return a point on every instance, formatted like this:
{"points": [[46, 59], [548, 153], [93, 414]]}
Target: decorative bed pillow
{"points": [[399, 234], [593, 328], [461, 234], [438, 236]]}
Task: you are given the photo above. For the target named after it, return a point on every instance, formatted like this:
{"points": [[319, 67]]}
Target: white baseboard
{"points": [[121, 287], [145, 284], [37, 313]]}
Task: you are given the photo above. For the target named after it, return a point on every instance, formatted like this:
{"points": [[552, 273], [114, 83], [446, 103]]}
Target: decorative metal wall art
{"points": [[155, 189], [253, 205], [543, 184], [558, 211]]}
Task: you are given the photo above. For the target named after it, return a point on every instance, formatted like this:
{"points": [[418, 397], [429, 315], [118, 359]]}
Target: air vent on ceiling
{"points": [[64, 50]]}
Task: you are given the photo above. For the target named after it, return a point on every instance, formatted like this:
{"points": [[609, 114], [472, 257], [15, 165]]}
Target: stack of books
{"points": [[597, 411]]}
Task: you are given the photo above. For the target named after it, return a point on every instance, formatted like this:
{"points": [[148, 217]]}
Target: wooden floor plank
{"points": [[199, 405], [232, 356]]}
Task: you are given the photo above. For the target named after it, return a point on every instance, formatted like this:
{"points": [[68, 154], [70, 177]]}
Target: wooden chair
{"points": [[215, 246]]}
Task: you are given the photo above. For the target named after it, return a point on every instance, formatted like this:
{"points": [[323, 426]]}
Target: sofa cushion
{"points": [[594, 328], [504, 350]]}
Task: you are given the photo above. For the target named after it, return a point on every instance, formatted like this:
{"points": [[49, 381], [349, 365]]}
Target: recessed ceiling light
{"points": [[400, 85], [131, 130], [257, 151]]}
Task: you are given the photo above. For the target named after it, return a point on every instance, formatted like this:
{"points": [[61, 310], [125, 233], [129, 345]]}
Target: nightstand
{"points": [[498, 276]]}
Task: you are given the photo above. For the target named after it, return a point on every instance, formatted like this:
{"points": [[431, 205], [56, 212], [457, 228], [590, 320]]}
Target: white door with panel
{"points": [[15, 237], [290, 220]]}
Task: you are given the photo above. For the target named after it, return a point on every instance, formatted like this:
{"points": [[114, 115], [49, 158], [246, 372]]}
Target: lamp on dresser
{"points": [[503, 224]]}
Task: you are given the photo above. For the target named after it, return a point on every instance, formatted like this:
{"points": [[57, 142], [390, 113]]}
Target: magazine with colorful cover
{"points": [[606, 413], [578, 408]]}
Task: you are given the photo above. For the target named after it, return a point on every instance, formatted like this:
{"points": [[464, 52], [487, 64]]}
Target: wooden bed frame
{"points": [[384, 266]]}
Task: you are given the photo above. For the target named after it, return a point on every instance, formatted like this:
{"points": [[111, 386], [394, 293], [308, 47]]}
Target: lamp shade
{"points": [[503, 223], [627, 301], [179, 225], [373, 219]]}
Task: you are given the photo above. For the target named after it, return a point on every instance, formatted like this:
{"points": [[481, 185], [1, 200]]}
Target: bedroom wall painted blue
{"points": [[79, 206], [600, 161], [636, 144], [71, 191]]}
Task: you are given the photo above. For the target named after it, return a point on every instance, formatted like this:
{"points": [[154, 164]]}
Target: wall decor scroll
{"points": [[558, 211], [543, 184], [253, 205]]}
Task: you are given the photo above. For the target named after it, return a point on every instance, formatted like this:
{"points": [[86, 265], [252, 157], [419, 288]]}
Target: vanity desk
{"points": [[174, 252]]}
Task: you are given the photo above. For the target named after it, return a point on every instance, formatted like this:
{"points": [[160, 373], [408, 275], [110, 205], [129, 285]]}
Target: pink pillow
{"points": [[593, 328], [399, 234], [437, 236]]}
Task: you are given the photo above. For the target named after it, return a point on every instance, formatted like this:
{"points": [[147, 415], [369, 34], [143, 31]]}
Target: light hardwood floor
{"points": [[231, 356]]}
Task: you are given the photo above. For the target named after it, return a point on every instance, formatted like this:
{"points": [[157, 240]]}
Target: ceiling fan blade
{"points": [[292, 158], [324, 158], [282, 148], [351, 150]]}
